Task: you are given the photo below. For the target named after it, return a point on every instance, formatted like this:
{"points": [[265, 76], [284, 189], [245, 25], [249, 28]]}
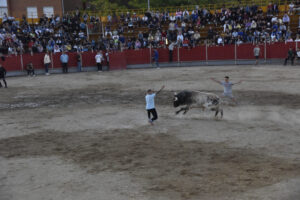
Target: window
{"points": [[3, 3], [48, 11], [2, 11], [3, 8], [32, 13]]}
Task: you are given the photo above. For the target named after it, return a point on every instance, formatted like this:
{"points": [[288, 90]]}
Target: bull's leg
{"points": [[186, 109], [221, 112], [177, 112], [217, 112]]}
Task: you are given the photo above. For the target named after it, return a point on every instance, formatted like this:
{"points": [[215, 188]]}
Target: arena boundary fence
{"points": [[16, 64]]}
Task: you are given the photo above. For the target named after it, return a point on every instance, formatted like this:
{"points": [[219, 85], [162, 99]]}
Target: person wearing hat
{"points": [[227, 87], [150, 104]]}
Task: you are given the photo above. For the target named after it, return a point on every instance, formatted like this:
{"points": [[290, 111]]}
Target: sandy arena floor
{"points": [[85, 136]]}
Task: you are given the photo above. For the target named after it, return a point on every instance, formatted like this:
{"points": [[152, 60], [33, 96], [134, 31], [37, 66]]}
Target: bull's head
{"points": [[176, 100]]}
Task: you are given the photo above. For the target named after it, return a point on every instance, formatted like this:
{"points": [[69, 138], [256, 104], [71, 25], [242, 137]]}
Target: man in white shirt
{"points": [[150, 104], [227, 87], [99, 59]]}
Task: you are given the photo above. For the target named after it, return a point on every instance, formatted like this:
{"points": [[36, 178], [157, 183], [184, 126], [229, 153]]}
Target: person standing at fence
{"points": [[227, 87], [150, 104], [171, 48], [64, 59], [99, 59], [256, 52], [47, 62], [2, 76], [79, 61], [290, 56], [156, 57]]}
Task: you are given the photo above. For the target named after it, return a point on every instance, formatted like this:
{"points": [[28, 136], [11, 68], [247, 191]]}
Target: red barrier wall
{"points": [[36, 59], [194, 54], [279, 50], [134, 57], [221, 52], [245, 51], [12, 63], [119, 60]]}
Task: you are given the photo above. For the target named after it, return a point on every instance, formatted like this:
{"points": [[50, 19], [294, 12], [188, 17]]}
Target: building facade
{"points": [[32, 9]]}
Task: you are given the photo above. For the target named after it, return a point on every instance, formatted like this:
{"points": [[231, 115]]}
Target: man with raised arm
{"points": [[150, 104], [227, 87]]}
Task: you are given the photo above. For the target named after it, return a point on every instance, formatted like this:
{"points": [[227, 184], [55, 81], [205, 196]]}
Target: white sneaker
{"points": [[150, 121], [47, 74]]}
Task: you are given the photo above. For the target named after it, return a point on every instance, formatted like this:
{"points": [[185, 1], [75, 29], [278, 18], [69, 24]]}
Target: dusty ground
{"points": [[86, 136]]}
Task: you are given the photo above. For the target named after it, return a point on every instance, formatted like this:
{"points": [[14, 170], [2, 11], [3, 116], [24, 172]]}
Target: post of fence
{"points": [[178, 56], [22, 64], [150, 53], [206, 54], [52, 61], [265, 51], [235, 54]]}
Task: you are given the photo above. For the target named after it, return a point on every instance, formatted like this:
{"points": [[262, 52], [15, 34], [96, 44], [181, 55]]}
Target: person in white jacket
{"points": [[47, 62], [99, 59]]}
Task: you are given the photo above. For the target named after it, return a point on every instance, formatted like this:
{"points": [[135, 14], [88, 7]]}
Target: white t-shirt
{"points": [[150, 101], [99, 58], [227, 87]]}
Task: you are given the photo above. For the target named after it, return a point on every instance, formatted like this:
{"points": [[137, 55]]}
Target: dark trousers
{"points": [[170, 56], [65, 67], [47, 67], [4, 81], [99, 65], [289, 58], [30, 72], [153, 113]]}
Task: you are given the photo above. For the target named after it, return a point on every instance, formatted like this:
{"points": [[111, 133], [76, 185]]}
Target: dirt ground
{"points": [[86, 136]]}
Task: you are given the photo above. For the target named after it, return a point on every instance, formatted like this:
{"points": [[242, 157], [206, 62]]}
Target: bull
{"points": [[196, 99]]}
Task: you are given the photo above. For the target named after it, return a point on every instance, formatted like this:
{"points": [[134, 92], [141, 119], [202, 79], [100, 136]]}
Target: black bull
{"points": [[196, 99]]}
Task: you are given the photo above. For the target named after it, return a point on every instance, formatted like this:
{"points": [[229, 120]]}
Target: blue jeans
{"points": [[47, 67], [156, 62], [79, 66]]}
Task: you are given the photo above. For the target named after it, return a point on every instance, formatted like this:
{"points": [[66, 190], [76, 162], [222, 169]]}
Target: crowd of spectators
{"points": [[53, 34], [239, 24]]}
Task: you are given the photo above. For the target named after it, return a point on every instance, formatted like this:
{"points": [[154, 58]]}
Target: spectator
{"points": [[30, 69], [99, 59], [171, 48], [290, 56], [286, 19], [47, 62], [256, 52], [291, 8], [156, 57], [2, 76], [64, 59]]}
